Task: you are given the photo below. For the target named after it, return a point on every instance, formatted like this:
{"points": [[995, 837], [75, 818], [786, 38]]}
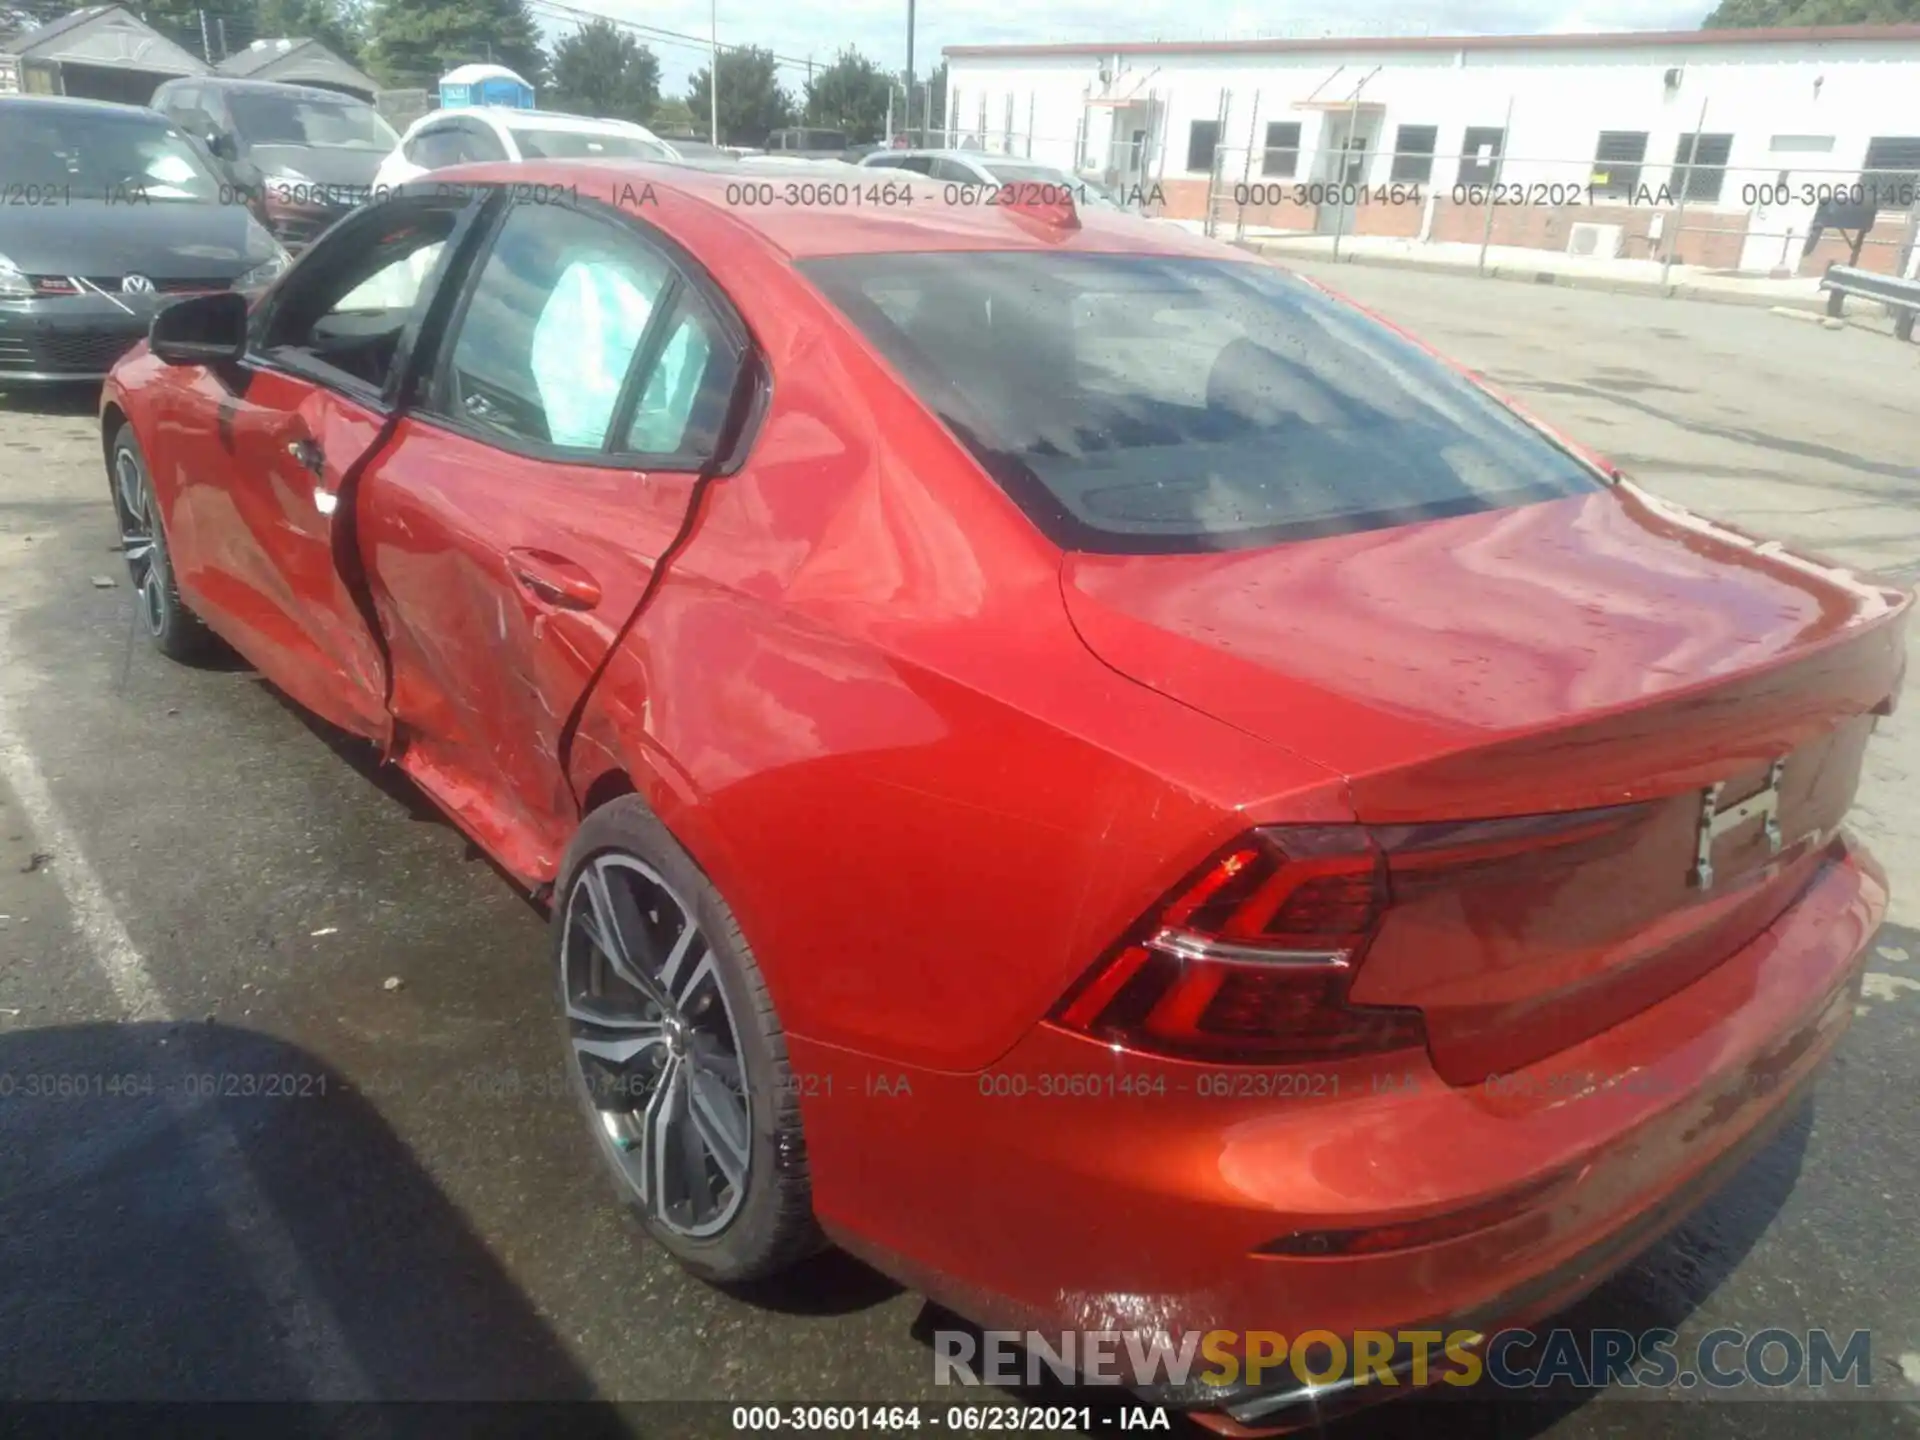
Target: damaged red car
{"points": [[1065, 760]]}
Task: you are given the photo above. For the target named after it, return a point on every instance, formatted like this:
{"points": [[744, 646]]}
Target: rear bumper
{"points": [[1292, 1405], [1074, 1188]]}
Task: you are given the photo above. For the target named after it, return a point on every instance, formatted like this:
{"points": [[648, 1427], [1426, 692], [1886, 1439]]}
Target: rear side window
{"points": [[1138, 404]]}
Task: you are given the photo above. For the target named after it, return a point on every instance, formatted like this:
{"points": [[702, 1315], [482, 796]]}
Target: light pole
{"points": [[713, 77], [909, 111]]}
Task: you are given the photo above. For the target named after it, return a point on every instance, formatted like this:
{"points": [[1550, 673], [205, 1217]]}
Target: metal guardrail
{"points": [[1900, 296]]}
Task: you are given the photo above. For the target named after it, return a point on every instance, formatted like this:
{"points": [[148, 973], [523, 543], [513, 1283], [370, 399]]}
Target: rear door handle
{"points": [[306, 454], [554, 579]]}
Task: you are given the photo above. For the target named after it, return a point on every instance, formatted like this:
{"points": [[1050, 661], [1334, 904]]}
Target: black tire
{"points": [[169, 621], [773, 1226]]}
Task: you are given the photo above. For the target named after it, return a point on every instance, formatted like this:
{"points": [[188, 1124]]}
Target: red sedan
{"points": [[1065, 759]]}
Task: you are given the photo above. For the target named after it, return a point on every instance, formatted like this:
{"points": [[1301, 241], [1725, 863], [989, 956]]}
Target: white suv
{"points": [[476, 133]]}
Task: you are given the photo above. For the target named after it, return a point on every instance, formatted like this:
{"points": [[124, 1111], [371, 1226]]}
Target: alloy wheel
{"points": [[654, 1043], [139, 539]]}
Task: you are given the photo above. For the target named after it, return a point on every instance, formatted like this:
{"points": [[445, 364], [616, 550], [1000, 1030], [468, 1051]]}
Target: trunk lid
{"points": [[1600, 650]]}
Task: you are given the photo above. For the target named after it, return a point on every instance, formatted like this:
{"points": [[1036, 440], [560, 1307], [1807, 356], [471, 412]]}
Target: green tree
{"points": [[850, 95], [752, 104], [179, 21], [340, 25], [673, 116], [1749, 14], [415, 42], [601, 69]]}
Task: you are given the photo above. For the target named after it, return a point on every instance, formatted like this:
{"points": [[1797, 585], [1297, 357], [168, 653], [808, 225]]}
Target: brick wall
{"points": [[1713, 238], [1881, 252]]}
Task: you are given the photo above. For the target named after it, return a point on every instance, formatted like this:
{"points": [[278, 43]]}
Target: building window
{"points": [[1283, 148], [1203, 142], [1892, 171], [1709, 166], [1480, 154], [1616, 161], [1413, 153]]}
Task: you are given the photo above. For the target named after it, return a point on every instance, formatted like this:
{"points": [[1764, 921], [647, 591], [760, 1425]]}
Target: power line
{"points": [[652, 32]]}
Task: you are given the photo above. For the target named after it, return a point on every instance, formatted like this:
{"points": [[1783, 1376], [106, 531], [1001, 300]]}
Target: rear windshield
{"points": [[584, 145], [1140, 404]]}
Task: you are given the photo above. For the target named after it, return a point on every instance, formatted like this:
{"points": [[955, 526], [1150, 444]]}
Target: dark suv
{"points": [[303, 156]]}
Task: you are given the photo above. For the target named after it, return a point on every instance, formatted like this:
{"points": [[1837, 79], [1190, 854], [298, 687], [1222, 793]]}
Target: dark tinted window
{"points": [[478, 142], [266, 117], [1616, 161], [1203, 139], [434, 149], [583, 145], [1480, 155], [1413, 153], [1142, 404]]}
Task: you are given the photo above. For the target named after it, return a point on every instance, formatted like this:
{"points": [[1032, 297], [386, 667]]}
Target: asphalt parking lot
{"points": [[196, 883]]}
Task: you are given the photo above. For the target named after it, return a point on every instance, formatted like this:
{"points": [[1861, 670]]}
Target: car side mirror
{"points": [[204, 330], [222, 144]]}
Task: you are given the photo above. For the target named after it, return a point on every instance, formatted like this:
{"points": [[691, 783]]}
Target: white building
{"points": [[1519, 139]]}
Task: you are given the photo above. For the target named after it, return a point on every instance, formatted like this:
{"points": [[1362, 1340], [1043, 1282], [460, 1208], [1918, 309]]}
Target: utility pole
{"points": [[909, 111], [1686, 184], [206, 47], [713, 78]]}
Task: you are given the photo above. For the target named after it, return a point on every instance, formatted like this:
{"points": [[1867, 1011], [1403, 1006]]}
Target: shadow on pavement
{"points": [[193, 1212]]}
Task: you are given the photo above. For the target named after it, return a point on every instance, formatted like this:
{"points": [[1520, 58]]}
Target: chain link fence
{"points": [[1370, 185]]}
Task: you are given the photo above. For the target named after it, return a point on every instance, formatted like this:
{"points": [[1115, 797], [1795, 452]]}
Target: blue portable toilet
{"points": [[484, 85]]}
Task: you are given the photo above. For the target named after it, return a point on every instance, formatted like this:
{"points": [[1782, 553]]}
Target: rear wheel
{"points": [[675, 1053], [175, 630]]}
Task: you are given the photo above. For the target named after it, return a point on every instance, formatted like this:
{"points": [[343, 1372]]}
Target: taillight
{"points": [[1251, 958]]}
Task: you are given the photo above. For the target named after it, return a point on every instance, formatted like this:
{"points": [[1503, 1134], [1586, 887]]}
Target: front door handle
{"points": [[554, 579], [306, 454]]}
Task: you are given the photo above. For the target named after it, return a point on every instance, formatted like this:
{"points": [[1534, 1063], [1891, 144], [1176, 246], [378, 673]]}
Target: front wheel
{"points": [[175, 630], [675, 1054]]}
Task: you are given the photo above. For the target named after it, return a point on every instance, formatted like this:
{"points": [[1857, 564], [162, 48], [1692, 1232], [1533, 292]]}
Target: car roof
{"points": [[281, 87], [686, 199], [982, 155], [514, 117], [81, 107]]}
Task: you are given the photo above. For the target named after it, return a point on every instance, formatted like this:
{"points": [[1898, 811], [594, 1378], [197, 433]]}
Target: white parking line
{"points": [[315, 1342]]}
